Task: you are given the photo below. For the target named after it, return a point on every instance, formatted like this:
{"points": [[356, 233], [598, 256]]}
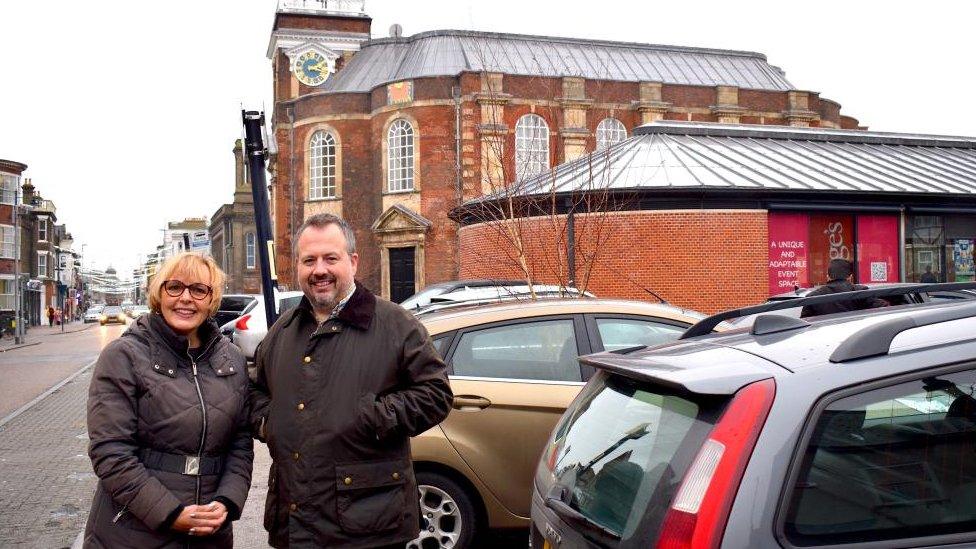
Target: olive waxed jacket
{"points": [[143, 399], [337, 404]]}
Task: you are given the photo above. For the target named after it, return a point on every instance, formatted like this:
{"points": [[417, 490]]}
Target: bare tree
{"points": [[546, 225]]}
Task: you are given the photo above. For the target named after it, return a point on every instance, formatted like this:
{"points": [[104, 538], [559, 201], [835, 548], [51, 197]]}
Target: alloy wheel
{"points": [[440, 519]]}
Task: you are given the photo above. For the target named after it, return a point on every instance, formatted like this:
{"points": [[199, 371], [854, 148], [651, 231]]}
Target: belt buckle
{"points": [[191, 466]]}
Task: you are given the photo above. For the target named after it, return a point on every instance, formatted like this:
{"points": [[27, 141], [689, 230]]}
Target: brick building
{"points": [[394, 133], [10, 174], [233, 234], [711, 216]]}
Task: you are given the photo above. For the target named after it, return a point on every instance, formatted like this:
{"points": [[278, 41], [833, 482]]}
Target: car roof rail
{"points": [[707, 325], [876, 340]]}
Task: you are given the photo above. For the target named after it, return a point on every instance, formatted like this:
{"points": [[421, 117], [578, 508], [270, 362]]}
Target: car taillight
{"points": [[700, 509], [241, 323]]}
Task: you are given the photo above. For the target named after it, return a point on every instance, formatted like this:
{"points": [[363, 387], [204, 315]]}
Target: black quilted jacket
{"points": [[143, 396]]}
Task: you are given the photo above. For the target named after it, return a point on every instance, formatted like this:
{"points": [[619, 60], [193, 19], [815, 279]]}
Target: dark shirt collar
{"points": [[357, 312]]}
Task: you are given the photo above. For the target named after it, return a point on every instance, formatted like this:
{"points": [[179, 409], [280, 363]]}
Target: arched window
{"points": [[609, 131], [322, 165], [249, 250], [531, 146], [399, 142]]}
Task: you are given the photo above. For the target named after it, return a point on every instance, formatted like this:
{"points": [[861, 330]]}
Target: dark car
{"points": [[232, 306], [913, 293], [848, 430], [112, 314]]}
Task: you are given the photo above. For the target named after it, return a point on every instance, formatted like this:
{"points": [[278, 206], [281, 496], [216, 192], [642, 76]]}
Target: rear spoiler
{"points": [[707, 325]]}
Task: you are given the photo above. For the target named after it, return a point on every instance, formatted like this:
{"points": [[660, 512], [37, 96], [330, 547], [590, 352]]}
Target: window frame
{"points": [[9, 196], [579, 331], [520, 163], [593, 331], [13, 243], [250, 250], [795, 466], [45, 274], [328, 176], [408, 141], [42, 224], [619, 127]]}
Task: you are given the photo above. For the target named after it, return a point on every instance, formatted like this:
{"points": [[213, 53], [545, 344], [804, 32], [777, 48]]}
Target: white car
{"points": [[251, 327], [93, 314]]}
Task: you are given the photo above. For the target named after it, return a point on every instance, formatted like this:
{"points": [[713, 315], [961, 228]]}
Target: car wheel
{"points": [[447, 514]]}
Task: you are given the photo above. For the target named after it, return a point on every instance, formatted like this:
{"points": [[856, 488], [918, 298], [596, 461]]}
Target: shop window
{"points": [[801, 247], [940, 248]]}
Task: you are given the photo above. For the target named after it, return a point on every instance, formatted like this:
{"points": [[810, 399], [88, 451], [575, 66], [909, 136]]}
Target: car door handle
{"points": [[470, 403]]}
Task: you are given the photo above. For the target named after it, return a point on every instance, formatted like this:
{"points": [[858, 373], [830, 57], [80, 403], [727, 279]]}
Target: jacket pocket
{"points": [[271, 502], [371, 496]]}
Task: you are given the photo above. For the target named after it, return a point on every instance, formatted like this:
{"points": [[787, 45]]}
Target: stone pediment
{"points": [[401, 219], [296, 52]]}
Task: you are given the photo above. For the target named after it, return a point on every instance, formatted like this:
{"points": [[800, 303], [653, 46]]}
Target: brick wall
{"points": [[707, 260]]}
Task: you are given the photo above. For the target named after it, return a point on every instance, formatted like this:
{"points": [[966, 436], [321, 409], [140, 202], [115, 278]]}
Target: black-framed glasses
{"points": [[175, 288]]}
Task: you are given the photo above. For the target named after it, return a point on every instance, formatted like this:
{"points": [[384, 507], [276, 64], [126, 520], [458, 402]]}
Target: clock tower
{"points": [[310, 41]]}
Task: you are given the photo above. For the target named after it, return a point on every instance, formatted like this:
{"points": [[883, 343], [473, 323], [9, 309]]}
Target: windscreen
{"points": [[622, 449]]}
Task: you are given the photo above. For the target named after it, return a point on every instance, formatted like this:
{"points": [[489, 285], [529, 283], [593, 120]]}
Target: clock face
{"points": [[311, 68]]}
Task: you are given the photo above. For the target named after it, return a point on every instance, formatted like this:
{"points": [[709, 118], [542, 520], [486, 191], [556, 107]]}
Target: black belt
{"points": [[177, 463]]}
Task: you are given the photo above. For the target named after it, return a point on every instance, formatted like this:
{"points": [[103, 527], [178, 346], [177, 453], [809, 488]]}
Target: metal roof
{"points": [[689, 156], [451, 52]]}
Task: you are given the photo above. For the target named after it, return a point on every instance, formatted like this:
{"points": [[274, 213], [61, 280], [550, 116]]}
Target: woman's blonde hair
{"points": [[192, 264]]}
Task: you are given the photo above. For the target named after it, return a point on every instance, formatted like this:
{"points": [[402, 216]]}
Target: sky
{"points": [[126, 112]]}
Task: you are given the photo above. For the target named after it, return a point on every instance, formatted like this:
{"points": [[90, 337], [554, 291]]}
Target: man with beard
{"points": [[343, 381]]}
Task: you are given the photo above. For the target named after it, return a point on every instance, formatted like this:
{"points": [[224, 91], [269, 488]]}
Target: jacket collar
{"points": [[157, 326], [358, 311]]}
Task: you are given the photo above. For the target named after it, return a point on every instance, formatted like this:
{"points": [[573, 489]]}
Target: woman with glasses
{"points": [[167, 420]]}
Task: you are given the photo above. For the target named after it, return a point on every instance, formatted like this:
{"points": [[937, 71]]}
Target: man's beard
{"points": [[322, 302]]}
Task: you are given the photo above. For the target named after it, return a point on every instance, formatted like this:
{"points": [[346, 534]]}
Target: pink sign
{"points": [[788, 251], [877, 249]]}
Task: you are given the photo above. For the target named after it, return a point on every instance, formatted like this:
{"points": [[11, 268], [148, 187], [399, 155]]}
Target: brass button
{"points": [[293, 506], [295, 455], [396, 476], [347, 481], [301, 405], [307, 359]]}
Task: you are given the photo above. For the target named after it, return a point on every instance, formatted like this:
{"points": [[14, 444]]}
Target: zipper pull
{"points": [[119, 514], [194, 365]]}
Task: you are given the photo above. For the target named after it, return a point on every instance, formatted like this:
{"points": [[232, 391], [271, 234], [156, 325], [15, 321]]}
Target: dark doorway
{"points": [[401, 273]]}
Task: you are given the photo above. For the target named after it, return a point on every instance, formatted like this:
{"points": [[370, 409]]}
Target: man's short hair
{"points": [[840, 269], [321, 221]]}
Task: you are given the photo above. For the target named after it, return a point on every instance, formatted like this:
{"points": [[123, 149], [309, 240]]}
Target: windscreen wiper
{"points": [[593, 531]]}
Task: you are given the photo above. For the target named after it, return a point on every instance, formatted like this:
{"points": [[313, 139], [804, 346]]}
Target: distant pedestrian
{"points": [[167, 420], [928, 277], [840, 272], [50, 316]]}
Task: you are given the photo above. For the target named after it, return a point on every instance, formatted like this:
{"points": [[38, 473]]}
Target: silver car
{"points": [[856, 429], [251, 327]]}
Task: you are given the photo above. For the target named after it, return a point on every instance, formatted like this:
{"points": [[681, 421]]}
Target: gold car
{"points": [[513, 370]]}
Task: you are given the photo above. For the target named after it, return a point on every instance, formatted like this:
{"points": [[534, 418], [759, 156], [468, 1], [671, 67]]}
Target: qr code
{"points": [[879, 271]]}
